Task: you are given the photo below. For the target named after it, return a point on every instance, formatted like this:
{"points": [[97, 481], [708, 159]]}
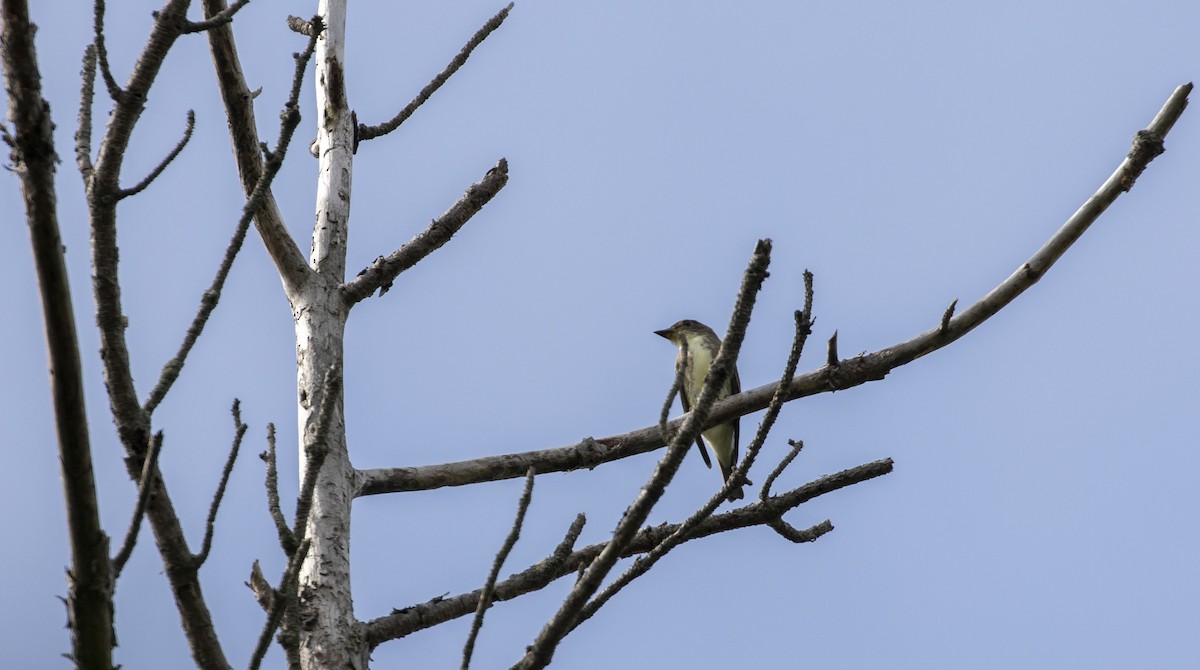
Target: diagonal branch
{"points": [[366, 132], [290, 119], [287, 541], [542, 651], [381, 273], [149, 468], [243, 132], [239, 431], [641, 566], [409, 620], [489, 587], [590, 452], [158, 169], [114, 89]]}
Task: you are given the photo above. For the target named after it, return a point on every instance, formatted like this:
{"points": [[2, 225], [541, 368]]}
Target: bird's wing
{"points": [[687, 407]]}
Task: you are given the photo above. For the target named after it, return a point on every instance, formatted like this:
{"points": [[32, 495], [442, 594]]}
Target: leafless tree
{"points": [[308, 609]]}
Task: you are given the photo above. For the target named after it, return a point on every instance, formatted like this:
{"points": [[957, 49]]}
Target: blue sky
{"points": [[1043, 508]]}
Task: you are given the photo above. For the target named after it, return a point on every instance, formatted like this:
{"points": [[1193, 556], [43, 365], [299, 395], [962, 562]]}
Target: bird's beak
{"points": [[664, 333]]}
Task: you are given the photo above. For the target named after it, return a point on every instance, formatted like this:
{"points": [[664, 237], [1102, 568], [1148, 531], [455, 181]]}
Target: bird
{"points": [[702, 346]]}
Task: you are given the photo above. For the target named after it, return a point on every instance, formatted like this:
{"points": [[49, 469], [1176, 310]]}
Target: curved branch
{"points": [[158, 169], [590, 452]]}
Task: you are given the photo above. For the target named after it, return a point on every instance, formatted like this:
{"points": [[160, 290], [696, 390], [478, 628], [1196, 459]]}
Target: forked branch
{"points": [[409, 620]]}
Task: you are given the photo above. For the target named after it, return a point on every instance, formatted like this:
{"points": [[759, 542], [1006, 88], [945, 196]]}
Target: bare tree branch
{"points": [[590, 452], [243, 131], [366, 132], [89, 601], [439, 610], [114, 89], [379, 275], [87, 94], [287, 541], [287, 587], [542, 650], [133, 424], [239, 432], [149, 468], [221, 18], [796, 445], [290, 118], [489, 587], [158, 169], [786, 530]]}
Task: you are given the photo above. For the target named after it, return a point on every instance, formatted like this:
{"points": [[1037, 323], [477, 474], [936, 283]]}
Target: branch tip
{"points": [[947, 315]]}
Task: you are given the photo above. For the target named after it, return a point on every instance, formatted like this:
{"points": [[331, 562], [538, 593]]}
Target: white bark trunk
{"points": [[329, 636]]}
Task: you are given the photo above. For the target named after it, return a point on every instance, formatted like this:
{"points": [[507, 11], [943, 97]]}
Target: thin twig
{"points": [[158, 169], [366, 132], [149, 468], [779, 525], [489, 587], [239, 432], [947, 315], [208, 302], [381, 273], [542, 650], [797, 445], [287, 541]]}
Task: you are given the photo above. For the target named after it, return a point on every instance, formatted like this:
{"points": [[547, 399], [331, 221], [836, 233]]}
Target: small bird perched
{"points": [[702, 347]]}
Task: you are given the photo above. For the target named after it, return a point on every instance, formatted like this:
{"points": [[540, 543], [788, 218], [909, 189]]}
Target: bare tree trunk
{"points": [[330, 636]]}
